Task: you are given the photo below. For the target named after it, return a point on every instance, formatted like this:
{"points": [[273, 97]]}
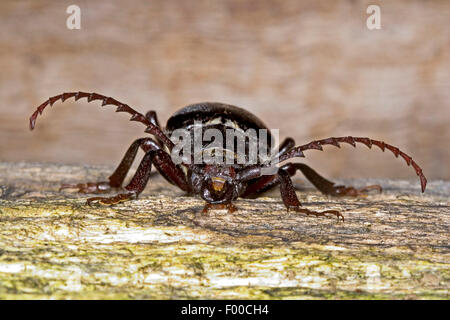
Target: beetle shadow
{"points": [[265, 219]]}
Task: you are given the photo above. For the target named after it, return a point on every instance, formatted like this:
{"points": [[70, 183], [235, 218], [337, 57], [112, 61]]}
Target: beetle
{"points": [[219, 185]]}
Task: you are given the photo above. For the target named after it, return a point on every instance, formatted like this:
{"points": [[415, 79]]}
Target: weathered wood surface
{"points": [[52, 245]]}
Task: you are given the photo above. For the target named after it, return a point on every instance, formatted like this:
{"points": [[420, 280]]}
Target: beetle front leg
{"points": [[89, 187], [136, 185], [291, 201], [165, 166], [327, 187], [117, 178]]}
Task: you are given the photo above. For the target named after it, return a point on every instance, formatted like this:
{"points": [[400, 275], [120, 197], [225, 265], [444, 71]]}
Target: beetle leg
{"points": [[325, 186], [89, 187], [284, 147], [264, 183], [121, 197], [259, 185], [136, 185], [162, 161], [171, 172], [291, 201], [117, 178], [165, 166], [153, 119]]}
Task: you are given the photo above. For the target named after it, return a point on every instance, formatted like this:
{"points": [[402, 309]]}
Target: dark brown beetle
{"points": [[218, 185]]}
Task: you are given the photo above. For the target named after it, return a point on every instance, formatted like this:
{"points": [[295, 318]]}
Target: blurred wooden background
{"points": [[310, 68]]}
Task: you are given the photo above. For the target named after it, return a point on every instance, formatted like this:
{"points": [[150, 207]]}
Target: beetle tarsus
{"points": [[89, 187], [121, 197]]}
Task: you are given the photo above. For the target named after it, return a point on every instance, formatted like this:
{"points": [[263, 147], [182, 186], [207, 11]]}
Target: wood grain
{"points": [[52, 245]]}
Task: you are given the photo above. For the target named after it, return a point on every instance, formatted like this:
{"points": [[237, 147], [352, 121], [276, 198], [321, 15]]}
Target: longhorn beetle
{"points": [[218, 185]]}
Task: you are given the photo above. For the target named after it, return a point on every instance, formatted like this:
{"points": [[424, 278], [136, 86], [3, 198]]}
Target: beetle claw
{"points": [[121, 197]]}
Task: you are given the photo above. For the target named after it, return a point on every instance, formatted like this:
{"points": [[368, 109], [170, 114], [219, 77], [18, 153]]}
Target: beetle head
{"points": [[216, 184]]}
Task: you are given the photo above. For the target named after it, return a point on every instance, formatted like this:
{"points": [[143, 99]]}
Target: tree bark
{"points": [[392, 245]]}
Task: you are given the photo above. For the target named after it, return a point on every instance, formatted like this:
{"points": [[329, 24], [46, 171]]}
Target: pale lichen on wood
{"points": [[52, 245]]}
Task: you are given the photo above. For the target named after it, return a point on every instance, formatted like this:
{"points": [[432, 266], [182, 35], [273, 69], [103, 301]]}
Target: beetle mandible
{"points": [[218, 185]]}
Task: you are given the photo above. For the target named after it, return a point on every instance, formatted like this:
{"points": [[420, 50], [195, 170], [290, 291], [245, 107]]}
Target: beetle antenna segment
{"points": [[317, 144], [121, 107]]}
